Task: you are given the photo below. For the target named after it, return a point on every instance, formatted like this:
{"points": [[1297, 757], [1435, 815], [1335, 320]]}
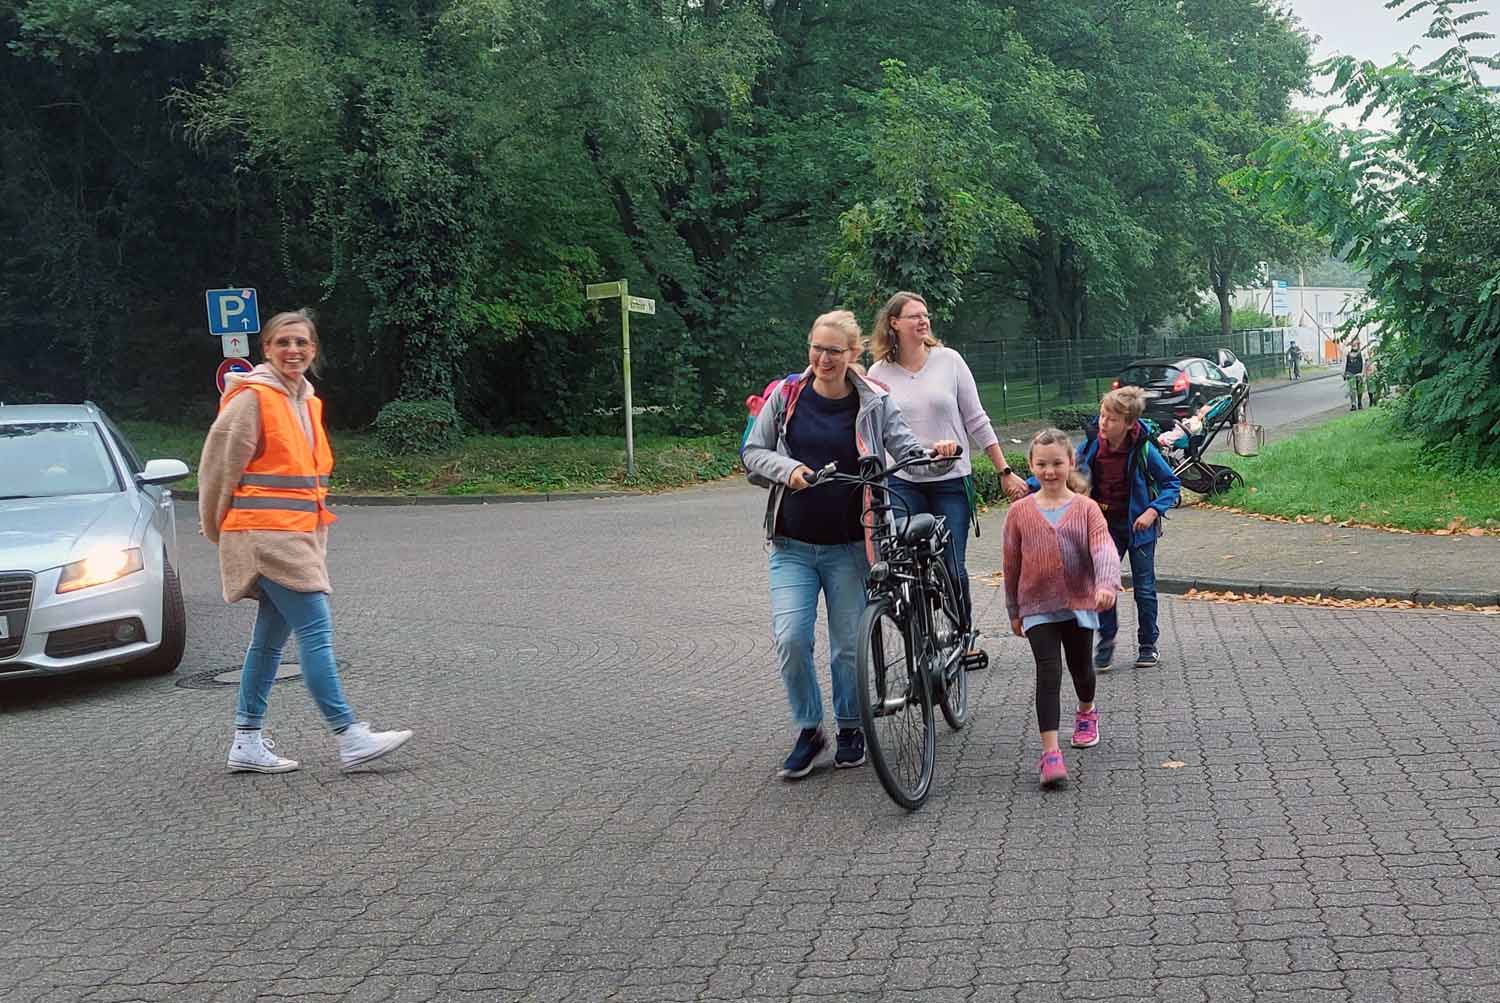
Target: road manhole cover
{"points": [[216, 678]]}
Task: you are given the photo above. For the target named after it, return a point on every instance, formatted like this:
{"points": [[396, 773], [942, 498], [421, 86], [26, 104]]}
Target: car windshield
{"points": [[54, 458], [1145, 376]]}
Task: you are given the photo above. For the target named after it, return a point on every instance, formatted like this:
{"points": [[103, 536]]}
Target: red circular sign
{"points": [[230, 366]]}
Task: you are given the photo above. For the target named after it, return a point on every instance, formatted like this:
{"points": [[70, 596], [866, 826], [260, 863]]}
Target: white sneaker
{"points": [[251, 752], [358, 744]]}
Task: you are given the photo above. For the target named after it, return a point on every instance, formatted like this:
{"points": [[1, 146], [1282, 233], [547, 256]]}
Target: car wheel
{"points": [[168, 655]]}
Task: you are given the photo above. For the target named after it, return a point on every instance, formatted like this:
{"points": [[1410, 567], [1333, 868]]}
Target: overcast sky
{"points": [[1366, 30]]}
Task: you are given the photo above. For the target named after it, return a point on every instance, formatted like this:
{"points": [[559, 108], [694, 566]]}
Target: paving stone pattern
{"points": [[589, 810]]}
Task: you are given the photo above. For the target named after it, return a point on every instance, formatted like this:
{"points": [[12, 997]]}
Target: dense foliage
{"points": [[440, 178], [1418, 205]]}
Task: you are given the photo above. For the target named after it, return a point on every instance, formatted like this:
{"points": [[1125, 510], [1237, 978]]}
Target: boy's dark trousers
{"points": [[1143, 587]]}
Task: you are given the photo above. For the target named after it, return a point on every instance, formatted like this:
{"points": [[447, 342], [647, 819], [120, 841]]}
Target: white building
{"points": [[1314, 316]]}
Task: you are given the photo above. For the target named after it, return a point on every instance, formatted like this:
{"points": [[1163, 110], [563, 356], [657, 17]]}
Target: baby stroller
{"points": [[1184, 444]]}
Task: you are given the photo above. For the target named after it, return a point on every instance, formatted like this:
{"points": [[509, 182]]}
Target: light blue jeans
{"points": [[799, 571], [281, 612]]}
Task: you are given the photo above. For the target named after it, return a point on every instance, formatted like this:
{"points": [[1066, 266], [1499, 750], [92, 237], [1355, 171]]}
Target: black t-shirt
{"points": [[822, 432]]}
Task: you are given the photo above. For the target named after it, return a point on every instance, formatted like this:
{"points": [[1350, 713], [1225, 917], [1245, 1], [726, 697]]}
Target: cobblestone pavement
{"points": [[589, 810]]}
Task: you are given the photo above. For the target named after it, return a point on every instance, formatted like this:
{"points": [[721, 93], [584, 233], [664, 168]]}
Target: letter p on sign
{"points": [[232, 311]]}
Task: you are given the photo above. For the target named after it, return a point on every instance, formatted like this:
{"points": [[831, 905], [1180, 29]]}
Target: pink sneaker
{"points": [[1054, 770], [1086, 729]]}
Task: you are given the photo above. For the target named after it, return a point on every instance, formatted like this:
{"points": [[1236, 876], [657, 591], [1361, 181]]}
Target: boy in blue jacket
{"points": [[1135, 487]]}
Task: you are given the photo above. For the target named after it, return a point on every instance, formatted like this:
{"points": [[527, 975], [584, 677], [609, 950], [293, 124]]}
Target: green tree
{"points": [[1416, 206], [936, 205]]}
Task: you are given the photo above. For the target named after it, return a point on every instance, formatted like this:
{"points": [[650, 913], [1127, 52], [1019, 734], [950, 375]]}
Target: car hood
{"points": [[41, 533]]}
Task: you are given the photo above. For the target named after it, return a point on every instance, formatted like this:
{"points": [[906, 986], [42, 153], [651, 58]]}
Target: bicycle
{"points": [[915, 636]]}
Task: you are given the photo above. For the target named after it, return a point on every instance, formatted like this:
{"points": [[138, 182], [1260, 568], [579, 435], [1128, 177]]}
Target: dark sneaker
{"points": [[810, 744], [851, 750], [1104, 653], [1146, 658]]}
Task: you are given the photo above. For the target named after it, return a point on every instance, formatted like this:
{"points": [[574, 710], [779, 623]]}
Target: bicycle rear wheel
{"points": [[948, 622], [895, 707]]}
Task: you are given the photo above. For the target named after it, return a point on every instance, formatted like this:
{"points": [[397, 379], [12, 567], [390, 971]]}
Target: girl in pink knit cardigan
{"points": [[1061, 570]]}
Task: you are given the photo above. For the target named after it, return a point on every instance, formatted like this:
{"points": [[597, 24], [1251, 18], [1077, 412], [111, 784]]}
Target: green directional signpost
{"points": [[628, 304]]}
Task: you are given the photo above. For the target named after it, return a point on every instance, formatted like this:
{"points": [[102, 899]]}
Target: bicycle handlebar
{"points": [[830, 472]]}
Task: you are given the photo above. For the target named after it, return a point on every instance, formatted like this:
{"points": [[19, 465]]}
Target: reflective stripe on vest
{"points": [[285, 504], [282, 481], [284, 488]]}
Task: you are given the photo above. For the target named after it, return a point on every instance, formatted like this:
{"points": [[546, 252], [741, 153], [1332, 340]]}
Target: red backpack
{"points": [[755, 402]]}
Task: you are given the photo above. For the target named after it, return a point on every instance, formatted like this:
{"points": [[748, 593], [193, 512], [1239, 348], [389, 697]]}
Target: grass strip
{"points": [[488, 464], [1360, 468]]}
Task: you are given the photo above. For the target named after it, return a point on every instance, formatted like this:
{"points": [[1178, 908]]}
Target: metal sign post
{"points": [[628, 304]]}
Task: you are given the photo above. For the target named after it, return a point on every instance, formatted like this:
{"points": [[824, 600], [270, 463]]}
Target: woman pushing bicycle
{"points": [[819, 540]]}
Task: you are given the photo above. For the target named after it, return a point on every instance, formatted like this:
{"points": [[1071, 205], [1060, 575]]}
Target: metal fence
{"points": [[1026, 379]]}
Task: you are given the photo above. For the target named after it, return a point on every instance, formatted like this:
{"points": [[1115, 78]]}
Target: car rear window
{"points": [[1144, 376], [54, 458]]}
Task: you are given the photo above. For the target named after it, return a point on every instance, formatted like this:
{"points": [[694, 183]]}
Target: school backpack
{"points": [[755, 402]]}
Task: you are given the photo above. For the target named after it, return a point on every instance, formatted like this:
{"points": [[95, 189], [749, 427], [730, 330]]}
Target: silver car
{"points": [[88, 544]]}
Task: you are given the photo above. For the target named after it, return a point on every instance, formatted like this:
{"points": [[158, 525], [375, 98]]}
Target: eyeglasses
{"points": [[914, 316], [828, 349]]}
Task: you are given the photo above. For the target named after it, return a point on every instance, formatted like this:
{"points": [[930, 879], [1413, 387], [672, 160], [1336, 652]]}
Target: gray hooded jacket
{"points": [[879, 429]]}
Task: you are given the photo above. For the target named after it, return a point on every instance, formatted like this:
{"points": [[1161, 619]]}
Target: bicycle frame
{"points": [[903, 571]]}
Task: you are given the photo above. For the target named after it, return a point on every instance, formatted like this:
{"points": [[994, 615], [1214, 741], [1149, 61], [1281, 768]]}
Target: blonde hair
{"points": [[1127, 402], [1077, 482], [287, 319], [884, 345], [844, 322]]}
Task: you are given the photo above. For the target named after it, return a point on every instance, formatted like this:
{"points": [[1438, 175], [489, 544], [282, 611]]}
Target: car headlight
{"points": [[100, 568]]}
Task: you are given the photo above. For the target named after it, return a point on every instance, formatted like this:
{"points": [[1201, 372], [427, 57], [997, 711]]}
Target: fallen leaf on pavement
{"points": [[1173, 764], [1328, 602]]}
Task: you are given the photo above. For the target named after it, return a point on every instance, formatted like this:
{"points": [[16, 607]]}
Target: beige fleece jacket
{"points": [[298, 561]]}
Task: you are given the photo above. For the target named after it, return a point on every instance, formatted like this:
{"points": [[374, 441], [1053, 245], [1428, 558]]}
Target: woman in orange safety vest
{"points": [[263, 498]]}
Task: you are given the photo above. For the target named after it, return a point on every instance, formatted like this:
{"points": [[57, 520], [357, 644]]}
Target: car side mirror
{"points": [[162, 472]]}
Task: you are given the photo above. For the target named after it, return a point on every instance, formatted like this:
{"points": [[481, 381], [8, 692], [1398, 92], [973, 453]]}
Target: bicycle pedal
{"points": [[976, 660]]}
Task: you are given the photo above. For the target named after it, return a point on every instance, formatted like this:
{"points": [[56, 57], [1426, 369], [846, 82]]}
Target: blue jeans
{"points": [[950, 499], [799, 571], [281, 612], [1142, 585]]}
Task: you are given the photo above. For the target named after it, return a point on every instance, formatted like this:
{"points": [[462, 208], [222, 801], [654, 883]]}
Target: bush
{"points": [[422, 426], [1073, 416]]}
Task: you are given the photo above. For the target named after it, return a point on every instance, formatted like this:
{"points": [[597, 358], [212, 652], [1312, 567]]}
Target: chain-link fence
{"points": [[1027, 379]]}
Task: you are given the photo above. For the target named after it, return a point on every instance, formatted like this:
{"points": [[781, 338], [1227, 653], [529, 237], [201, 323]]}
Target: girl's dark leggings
{"points": [[1049, 643]]}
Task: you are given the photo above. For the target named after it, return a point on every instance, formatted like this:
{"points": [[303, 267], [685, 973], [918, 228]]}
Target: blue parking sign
{"points": [[232, 311]]}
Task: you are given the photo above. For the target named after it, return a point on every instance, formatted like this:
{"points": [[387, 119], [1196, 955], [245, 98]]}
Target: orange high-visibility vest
{"points": [[285, 486]]}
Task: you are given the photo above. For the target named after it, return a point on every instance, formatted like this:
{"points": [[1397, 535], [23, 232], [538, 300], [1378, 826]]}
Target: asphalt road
{"points": [[1296, 403], [589, 809]]}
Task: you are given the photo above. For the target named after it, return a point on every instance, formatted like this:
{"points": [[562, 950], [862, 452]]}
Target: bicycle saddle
{"points": [[916, 528]]}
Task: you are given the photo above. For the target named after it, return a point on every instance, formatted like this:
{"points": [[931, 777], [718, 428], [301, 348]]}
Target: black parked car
{"points": [[1175, 388]]}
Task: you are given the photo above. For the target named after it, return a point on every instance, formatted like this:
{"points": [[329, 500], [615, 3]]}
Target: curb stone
{"points": [[1442, 597]]}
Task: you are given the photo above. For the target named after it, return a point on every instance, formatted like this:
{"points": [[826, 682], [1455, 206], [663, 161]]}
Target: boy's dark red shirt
{"points": [[1109, 485]]}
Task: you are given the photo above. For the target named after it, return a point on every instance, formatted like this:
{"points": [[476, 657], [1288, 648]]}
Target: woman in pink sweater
{"points": [[1061, 570]]}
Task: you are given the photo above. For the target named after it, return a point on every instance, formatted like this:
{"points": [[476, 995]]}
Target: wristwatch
{"points": [[1005, 470]]}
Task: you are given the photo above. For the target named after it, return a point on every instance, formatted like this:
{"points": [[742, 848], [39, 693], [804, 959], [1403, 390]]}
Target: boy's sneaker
{"points": [[810, 744], [1104, 653], [1146, 658], [851, 750], [358, 744], [1086, 729], [1054, 770], [251, 753]]}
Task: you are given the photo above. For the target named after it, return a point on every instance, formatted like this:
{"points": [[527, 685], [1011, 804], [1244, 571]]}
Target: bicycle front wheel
{"points": [[895, 707]]}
